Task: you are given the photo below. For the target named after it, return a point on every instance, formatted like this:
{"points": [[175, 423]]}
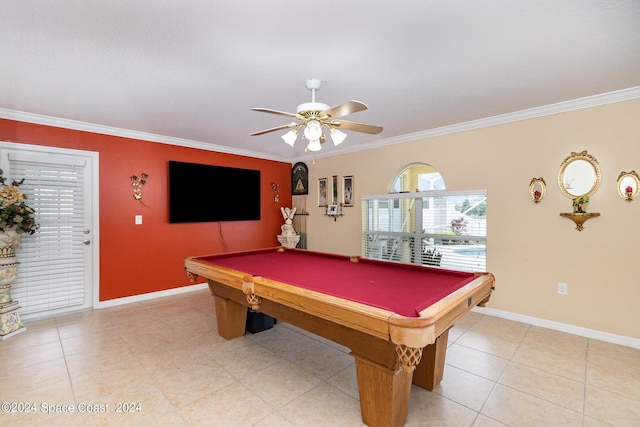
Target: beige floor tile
{"points": [[91, 386], [475, 361], [280, 383], [346, 381], [495, 336], [90, 362], [274, 420], [106, 341], [484, 421], [431, 409], [569, 364], [323, 406], [556, 389], [321, 360], [283, 340], [192, 382], [612, 408], [515, 408], [614, 368], [232, 405], [21, 381], [135, 406], [16, 358], [246, 361], [24, 340], [167, 354], [464, 388]]}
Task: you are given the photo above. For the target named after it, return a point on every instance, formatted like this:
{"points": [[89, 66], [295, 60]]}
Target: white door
{"points": [[58, 271]]}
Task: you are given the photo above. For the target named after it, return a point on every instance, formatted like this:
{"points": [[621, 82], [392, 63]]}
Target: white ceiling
{"points": [[190, 71]]}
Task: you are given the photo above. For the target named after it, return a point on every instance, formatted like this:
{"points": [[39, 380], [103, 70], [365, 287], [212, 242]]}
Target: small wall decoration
{"points": [[137, 184], [628, 185], [347, 191], [276, 192], [537, 189], [322, 192], [334, 189], [299, 179]]}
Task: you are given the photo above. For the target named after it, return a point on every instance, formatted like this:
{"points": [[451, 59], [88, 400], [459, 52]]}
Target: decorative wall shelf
{"points": [[579, 217]]}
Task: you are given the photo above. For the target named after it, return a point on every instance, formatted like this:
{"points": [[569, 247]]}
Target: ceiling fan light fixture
{"points": [[314, 145], [337, 136], [313, 131], [290, 137]]}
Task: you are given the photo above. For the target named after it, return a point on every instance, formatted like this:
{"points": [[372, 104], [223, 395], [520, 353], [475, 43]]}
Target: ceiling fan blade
{"points": [[341, 110], [280, 113], [354, 126], [262, 132]]}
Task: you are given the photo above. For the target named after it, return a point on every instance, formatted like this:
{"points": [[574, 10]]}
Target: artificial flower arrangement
{"points": [[14, 212], [580, 203]]}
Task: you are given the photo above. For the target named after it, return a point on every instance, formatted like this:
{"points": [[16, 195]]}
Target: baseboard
{"points": [[149, 296], [562, 327]]}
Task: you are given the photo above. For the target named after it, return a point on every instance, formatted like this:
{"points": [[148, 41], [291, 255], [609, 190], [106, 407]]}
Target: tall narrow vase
{"points": [[10, 323]]}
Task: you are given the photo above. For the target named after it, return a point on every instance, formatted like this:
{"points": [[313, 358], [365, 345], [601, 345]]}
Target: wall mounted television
{"points": [[208, 193]]}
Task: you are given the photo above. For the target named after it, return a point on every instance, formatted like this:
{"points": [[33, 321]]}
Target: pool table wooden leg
{"points": [[384, 393], [430, 370], [231, 317]]}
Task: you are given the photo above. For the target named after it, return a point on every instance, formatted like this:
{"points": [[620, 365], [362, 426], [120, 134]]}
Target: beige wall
{"points": [[529, 246]]}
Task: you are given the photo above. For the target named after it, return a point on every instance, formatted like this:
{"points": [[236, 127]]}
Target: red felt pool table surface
{"points": [[400, 288]]}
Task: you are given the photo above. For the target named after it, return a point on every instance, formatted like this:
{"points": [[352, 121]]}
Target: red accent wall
{"points": [[138, 259]]}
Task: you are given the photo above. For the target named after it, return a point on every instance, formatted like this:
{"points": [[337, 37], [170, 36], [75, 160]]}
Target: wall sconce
{"points": [[628, 185], [537, 189], [276, 192], [137, 184]]}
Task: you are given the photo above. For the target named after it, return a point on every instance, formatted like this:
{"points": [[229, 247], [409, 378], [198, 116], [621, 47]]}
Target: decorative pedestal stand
{"points": [[288, 238], [10, 323]]}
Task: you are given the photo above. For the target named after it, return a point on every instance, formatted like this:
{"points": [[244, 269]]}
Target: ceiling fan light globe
{"points": [[290, 137], [313, 130], [314, 145], [337, 136]]}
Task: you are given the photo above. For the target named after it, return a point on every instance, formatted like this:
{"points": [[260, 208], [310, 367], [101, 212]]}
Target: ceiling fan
{"points": [[313, 116]]}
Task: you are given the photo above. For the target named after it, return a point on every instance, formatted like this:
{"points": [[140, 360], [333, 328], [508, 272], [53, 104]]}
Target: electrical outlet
{"points": [[563, 288]]}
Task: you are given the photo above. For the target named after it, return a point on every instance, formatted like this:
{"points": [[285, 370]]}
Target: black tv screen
{"points": [[204, 193]]}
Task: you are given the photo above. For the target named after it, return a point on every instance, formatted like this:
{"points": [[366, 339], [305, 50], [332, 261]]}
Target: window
{"points": [[445, 229], [417, 177]]}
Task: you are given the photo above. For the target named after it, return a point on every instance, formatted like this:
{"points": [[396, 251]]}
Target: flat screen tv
{"points": [[208, 193]]}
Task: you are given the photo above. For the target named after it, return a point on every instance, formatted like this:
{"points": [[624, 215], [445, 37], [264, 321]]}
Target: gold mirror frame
{"points": [[579, 174], [628, 185], [537, 189]]}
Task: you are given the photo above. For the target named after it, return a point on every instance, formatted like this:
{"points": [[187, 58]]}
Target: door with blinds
{"points": [[57, 273]]}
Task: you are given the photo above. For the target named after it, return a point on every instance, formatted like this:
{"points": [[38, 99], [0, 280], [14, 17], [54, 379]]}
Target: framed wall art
{"points": [[334, 189], [299, 179], [322, 192], [347, 190]]}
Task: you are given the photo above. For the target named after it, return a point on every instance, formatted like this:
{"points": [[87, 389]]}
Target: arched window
{"points": [[417, 177]]}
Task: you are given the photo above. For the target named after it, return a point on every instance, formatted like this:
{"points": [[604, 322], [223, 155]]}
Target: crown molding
{"points": [[40, 119], [547, 110], [560, 107]]}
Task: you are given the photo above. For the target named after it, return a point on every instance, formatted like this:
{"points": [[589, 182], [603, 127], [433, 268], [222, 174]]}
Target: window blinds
{"points": [[51, 274], [445, 229]]}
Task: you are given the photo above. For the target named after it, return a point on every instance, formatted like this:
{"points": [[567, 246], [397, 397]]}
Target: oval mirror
{"points": [[537, 189], [579, 174], [628, 185]]}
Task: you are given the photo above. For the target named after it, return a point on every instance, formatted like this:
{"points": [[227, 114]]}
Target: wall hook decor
{"points": [[276, 192], [137, 184]]}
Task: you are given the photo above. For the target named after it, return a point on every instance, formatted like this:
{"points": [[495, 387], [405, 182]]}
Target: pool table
{"points": [[393, 317]]}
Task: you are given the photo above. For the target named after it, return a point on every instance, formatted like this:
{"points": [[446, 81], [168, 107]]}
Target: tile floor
{"points": [[162, 363]]}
